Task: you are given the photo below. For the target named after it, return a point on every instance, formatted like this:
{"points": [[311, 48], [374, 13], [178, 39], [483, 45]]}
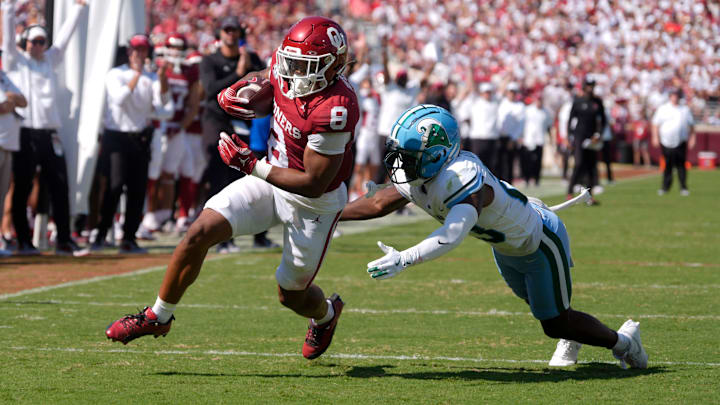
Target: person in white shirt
{"points": [[511, 121], [672, 131], [133, 96], [537, 125], [10, 98], [367, 160], [33, 71], [484, 131], [395, 97], [563, 141]]}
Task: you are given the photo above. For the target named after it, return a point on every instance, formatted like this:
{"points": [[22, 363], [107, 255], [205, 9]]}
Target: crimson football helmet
{"points": [[174, 50], [313, 53]]}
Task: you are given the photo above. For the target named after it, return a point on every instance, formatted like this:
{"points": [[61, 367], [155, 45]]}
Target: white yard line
{"points": [[363, 311], [93, 280], [352, 356]]}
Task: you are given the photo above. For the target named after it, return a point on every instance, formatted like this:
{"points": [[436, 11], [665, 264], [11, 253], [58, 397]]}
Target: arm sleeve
{"points": [[329, 143], [117, 91], [10, 53], [211, 84], [56, 52], [458, 223]]}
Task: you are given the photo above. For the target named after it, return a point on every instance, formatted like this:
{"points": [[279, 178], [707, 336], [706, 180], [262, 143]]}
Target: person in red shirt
{"points": [[640, 140], [300, 186], [169, 151]]}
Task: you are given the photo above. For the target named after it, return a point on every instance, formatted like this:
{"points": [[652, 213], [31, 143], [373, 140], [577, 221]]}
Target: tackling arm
{"points": [[458, 223], [382, 203]]}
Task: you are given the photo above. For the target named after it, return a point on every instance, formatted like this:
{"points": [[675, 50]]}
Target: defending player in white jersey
{"points": [[529, 242], [301, 187]]}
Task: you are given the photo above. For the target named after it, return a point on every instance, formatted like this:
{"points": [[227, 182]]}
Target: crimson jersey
{"points": [[334, 109], [180, 85]]}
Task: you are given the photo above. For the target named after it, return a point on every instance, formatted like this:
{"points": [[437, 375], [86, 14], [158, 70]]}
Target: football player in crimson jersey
{"points": [[194, 160], [169, 152], [299, 187]]}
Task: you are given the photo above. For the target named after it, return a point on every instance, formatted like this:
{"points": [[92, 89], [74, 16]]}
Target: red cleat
{"points": [[318, 338], [131, 327]]}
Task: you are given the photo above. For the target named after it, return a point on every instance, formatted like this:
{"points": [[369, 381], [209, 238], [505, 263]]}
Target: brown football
{"points": [[259, 96]]}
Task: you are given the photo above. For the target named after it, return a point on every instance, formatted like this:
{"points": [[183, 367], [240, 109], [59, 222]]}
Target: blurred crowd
{"points": [[638, 50]]}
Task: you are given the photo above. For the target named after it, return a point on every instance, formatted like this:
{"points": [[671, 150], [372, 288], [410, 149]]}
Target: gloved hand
{"points": [[389, 265], [236, 153], [233, 105]]}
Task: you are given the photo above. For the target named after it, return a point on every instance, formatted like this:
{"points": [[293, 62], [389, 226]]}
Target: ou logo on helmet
{"points": [[336, 38], [433, 133]]}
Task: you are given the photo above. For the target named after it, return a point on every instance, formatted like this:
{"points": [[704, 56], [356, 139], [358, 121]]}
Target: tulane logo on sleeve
{"points": [[433, 133]]}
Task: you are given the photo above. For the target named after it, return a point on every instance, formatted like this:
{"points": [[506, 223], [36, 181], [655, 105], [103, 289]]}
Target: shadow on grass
{"points": [[588, 371]]}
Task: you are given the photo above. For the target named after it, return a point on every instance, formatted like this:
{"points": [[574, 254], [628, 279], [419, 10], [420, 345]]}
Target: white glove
{"points": [[389, 265]]}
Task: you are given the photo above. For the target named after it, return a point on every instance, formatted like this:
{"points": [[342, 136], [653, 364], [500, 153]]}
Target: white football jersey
{"points": [[510, 224]]}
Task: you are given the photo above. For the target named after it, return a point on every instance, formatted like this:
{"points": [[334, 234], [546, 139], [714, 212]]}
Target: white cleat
{"points": [[566, 353], [635, 356]]}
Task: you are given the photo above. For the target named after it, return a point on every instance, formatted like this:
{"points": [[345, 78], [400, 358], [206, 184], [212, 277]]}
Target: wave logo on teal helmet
{"points": [[433, 133]]}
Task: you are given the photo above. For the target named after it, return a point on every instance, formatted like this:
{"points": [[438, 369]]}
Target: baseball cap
{"points": [[138, 41], [401, 73], [589, 81], [513, 87], [230, 21], [36, 32], [486, 87]]}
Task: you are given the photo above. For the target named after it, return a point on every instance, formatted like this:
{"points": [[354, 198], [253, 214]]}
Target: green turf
{"points": [[447, 331]]}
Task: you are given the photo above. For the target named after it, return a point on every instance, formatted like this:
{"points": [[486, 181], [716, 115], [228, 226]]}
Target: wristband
{"points": [[262, 169]]}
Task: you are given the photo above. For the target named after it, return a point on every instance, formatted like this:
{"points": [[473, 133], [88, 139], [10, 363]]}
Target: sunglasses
{"points": [[230, 30], [38, 42]]}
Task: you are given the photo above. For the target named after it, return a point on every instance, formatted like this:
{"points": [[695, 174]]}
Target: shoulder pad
{"points": [[460, 178]]}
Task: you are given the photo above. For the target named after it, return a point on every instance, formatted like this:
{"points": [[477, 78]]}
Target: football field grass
{"points": [[448, 331]]}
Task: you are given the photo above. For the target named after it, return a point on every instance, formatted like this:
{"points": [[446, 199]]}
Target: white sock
{"points": [[163, 310], [149, 221], [622, 345], [328, 316]]}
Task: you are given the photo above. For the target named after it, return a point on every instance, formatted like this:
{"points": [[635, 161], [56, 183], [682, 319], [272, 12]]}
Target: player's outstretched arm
{"points": [[382, 203], [458, 223]]}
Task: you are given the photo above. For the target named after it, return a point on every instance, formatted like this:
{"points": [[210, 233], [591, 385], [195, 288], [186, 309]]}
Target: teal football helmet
{"points": [[422, 140]]}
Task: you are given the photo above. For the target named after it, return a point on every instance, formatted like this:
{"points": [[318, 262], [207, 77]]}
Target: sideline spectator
{"points": [[232, 61], [564, 144], [170, 159], [33, 70], [396, 96], [10, 97], [537, 125], [588, 116], [133, 95], [672, 130], [511, 122], [367, 160], [484, 132], [641, 139]]}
